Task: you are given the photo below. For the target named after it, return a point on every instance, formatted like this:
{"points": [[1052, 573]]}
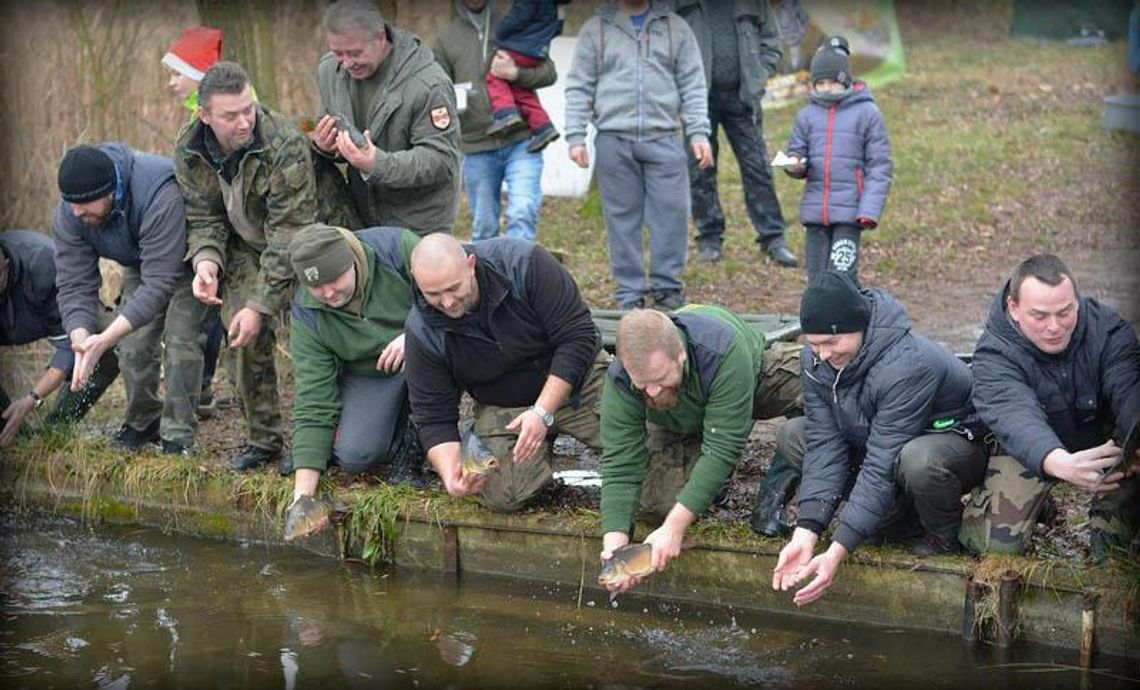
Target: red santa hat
{"points": [[197, 51]]}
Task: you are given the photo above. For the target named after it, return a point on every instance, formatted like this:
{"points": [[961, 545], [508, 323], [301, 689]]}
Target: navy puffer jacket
{"points": [[894, 390], [848, 157]]}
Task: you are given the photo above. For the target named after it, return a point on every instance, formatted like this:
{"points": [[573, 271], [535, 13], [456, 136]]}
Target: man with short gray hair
{"points": [[389, 112], [247, 177]]}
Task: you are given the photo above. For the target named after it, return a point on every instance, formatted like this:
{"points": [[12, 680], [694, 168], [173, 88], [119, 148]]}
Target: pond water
{"points": [[122, 607]]}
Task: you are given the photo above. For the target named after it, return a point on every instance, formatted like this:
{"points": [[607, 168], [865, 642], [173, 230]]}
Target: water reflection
{"points": [[119, 608]]}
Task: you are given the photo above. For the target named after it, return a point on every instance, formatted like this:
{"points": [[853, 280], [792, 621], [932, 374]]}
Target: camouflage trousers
{"points": [[255, 367], [510, 487], [673, 455], [932, 472], [1002, 513], [173, 341]]}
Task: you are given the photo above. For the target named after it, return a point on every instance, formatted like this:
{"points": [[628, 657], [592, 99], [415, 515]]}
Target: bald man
{"points": [[504, 322]]}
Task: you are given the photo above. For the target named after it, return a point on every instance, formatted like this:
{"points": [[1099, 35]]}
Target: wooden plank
{"points": [[772, 326]]}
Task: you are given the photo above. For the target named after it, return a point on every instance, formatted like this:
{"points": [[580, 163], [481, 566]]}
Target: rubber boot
{"points": [[769, 517]]}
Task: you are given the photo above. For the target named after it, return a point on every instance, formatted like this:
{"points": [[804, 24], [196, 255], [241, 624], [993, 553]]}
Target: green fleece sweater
{"points": [[724, 357], [326, 341]]}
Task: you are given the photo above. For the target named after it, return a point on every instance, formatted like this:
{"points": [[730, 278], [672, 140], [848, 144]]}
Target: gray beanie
{"points": [[832, 61]]}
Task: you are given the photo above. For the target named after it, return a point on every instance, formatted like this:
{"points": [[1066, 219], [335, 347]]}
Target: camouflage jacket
{"points": [[412, 120], [280, 198]]}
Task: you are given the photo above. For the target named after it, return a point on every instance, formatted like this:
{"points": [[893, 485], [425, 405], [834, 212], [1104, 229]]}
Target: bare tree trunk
{"points": [[247, 39]]}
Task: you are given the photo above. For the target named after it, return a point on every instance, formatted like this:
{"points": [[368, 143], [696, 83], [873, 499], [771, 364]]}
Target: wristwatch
{"points": [[546, 417], [37, 399]]}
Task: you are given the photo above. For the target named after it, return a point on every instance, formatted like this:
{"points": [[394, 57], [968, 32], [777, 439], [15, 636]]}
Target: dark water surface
{"points": [[136, 608]]}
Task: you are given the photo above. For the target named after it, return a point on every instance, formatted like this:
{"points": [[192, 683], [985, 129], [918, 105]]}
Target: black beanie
{"points": [[832, 61], [832, 304], [86, 174]]}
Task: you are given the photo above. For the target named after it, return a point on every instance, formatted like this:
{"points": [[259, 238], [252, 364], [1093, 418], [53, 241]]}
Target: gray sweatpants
{"points": [[372, 412], [644, 184]]}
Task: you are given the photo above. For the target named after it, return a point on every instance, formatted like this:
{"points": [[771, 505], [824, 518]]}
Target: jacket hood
{"points": [[406, 58], [609, 10], [889, 323], [1002, 327], [859, 93]]}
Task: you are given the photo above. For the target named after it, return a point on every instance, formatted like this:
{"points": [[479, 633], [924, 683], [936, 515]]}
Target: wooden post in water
{"points": [[1088, 624], [1007, 607], [969, 611]]}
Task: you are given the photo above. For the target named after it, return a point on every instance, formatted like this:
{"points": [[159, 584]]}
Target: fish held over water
{"points": [[629, 561], [308, 515], [477, 457]]}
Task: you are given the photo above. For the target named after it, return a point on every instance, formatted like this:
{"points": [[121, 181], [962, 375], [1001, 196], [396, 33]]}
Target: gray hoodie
{"points": [[630, 96]]}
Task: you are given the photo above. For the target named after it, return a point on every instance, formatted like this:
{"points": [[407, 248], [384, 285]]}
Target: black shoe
{"points": [[782, 255], [708, 255], [285, 466], [638, 303], [770, 514], [505, 125], [129, 438], [668, 300], [934, 545], [174, 448], [541, 139], [252, 457]]}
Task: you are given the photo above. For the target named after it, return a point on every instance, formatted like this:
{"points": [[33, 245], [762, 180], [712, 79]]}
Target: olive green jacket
{"points": [[280, 199], [461, 52], [412, 120]]}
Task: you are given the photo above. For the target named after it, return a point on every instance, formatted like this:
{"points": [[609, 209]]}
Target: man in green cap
{"points": [[247, 178], [347, 341]]}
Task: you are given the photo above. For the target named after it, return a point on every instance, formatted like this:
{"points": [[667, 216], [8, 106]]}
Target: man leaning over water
{"points": [[505, 322], [347, 341], [677, 409]]}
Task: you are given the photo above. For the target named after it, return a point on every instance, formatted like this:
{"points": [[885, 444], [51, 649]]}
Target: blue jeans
{"points": [[483, 175]]}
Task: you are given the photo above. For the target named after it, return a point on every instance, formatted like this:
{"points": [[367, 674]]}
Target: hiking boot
{"points": [[541, 139], [781, 254], [769, 516], [129, 438], [252, 457], [668, 300], [627, 305], [708, 255], [174, 448], [506, 125], [934, 545], [207, 405]]}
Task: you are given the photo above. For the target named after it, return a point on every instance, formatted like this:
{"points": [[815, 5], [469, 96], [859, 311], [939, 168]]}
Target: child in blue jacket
{"points": [[841, 142]]}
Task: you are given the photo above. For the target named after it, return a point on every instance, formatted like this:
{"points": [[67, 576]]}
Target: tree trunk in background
{"points": [[247, 39]]}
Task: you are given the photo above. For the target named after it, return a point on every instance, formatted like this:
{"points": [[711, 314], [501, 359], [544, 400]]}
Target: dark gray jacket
{"points": [[28, 311], [848, 156], [894, 390], [145, 230], [757, 41], [1035, 402]]}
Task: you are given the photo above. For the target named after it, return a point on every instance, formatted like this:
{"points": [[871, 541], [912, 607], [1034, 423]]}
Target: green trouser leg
{"points": [[509, 488], [255, 364], [1115, 520], [72, 406], [140, 359], [1001, 513]]}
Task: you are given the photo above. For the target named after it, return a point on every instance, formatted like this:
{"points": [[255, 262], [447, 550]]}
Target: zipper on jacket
{"points": [[827, 161]]}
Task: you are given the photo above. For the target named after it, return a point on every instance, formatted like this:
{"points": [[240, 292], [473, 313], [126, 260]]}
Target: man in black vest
{"points": [[125, 205]]}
